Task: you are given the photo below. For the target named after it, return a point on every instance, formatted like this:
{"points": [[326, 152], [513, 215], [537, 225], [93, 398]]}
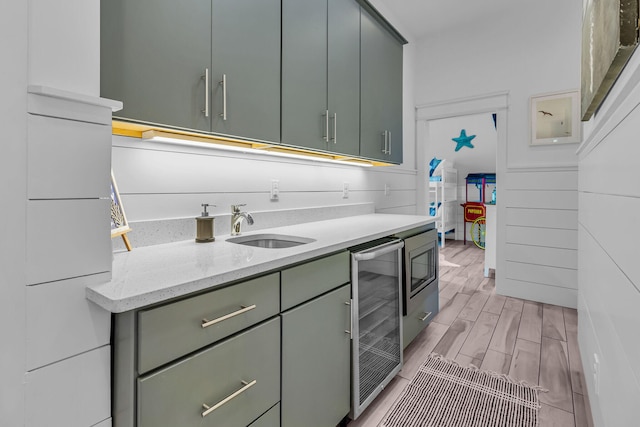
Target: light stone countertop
{"points": [[153, 274]]}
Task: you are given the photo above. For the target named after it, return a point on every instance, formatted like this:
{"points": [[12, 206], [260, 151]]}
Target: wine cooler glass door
{"points": [[377, 340]]}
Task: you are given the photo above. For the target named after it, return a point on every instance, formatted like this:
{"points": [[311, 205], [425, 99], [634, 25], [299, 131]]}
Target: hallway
{"points": [[524, 339]]}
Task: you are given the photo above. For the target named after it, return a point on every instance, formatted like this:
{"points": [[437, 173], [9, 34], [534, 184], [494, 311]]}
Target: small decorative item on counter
{"points": [[204, 226], [119, 223]]}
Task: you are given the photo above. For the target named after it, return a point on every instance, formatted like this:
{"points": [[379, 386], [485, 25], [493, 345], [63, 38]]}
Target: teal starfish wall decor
{"points": [[463, 140]]}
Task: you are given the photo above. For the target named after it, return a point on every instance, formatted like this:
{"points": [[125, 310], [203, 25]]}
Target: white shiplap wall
{"points": [[13, 193], [608, 268], [161, 181], [540, 251]]}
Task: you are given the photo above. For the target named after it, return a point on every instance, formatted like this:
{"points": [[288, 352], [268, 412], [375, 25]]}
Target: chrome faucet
{"points": [[237, 217]]}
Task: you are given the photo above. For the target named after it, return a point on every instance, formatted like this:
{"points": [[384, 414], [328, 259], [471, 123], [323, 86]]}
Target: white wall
{"points": [[43, 358], [529, 49], [13, 105], [479, 159], [609, 274]]}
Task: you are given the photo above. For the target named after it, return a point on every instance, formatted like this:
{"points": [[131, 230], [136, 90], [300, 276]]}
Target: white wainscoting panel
{"points": [[612, 303], [540, 235], [63, 240], [546, 275], [62, 322], [554, 257], [51, 176], [543, 199], [555, 295], [547, 237], [609, 167], [543, 218], [609, 272], [548, 180], [612, 220], [72, 393]]}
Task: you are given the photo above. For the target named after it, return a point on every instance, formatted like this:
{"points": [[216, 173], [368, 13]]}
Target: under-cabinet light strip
{"points": [[247, 147]]}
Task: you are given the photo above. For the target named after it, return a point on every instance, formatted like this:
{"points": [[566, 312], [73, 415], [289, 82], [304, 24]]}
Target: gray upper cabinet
{"points": [[380, 92], [344, 76], [167, 60], [153, 54], [320, 74], [246, 57]]}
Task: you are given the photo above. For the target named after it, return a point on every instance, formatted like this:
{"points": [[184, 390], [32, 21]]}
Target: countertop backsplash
{"points": [[157, 232]]}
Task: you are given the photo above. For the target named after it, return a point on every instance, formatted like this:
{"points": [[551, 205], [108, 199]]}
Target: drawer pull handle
{"points": [[246, 386], [425, 317], [206, 323]]}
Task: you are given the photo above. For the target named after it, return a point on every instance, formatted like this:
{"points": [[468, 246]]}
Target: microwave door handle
{"points": [[378, 251]]}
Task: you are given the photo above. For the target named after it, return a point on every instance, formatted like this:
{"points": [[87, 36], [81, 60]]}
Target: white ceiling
{"points": [[420, 18]]}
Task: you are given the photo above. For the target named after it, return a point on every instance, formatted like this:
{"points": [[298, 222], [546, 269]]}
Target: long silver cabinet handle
{"points": [[223, 83], [335, 128], [384, 142], [389, 143], [377, 251], [350, 331], [425, 317], [326, 126], [246, 386], [206, 323], [205, 76]]}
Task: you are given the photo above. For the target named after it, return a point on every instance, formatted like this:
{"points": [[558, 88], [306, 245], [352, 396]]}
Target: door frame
{"points": [[496, 102]]}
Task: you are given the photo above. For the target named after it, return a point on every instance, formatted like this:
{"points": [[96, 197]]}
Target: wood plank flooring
{"points": [[525, 339]]}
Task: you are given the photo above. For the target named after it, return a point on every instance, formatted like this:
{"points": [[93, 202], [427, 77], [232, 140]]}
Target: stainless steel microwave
{"points": [[420, 267]]}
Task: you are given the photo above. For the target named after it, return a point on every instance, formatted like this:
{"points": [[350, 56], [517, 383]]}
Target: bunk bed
{"points": [[443, 191]]}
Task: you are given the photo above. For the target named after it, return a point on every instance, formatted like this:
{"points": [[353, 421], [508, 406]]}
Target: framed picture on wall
{"points": [[555, 118]]}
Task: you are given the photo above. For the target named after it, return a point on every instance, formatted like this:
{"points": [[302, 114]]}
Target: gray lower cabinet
{"points": [[316, 361], [380, 92], [414, 322], [271, 418], [320, 74], [206, 65], [214, 359], [230, 384]]}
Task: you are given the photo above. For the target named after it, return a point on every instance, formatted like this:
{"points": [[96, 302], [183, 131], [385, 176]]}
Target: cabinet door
{"points": [[380, 93], [344, 76], [316, 361], [246, 51], [153, 55], [304, 73]]}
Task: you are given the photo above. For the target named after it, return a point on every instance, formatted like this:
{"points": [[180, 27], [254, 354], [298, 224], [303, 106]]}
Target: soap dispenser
{"points": [[204, 226]]}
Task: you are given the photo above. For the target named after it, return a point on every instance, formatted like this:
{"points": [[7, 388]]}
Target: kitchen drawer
{"points": [[269, 419], [419, 318], [174, 330], [306, 281], [174, 396]]}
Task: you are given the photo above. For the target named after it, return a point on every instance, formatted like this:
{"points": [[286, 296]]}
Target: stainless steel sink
{"points": [[271, 241]]}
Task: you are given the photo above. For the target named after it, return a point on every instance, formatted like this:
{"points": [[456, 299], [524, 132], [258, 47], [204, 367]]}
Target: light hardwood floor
{"points": [[524, 339]]}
